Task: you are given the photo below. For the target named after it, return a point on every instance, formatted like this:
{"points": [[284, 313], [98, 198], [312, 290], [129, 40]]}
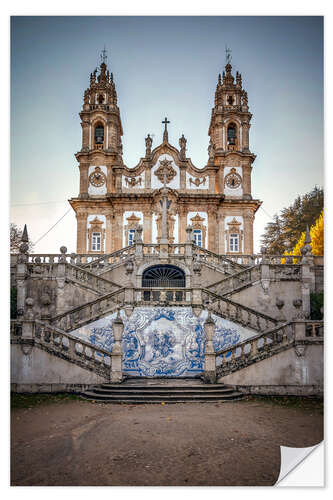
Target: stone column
{"points": [[117, 352], [147, 225], [182, 221], [85, 134], [247, 182], [147, 177], [109, 180], [221, 234], [245, 138], [248, 232], [221, 179], [118, 230], [84, 182], [108, 233], [212, 229], [81, 232], [210, 357], [182, 175]]}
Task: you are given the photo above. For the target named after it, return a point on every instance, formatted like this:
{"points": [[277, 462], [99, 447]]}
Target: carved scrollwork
{"points": [[132, 181], [197, 181]]}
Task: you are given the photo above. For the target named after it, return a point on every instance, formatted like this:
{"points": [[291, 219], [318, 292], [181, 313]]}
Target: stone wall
{"points": [[266, 302], [298, 370], [35, 370]]}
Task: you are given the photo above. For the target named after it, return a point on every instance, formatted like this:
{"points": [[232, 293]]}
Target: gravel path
{"points": [[78, 443]]}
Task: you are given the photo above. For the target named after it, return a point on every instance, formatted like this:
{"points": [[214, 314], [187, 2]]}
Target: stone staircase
{"points": [[146, 391], [236, 282]]}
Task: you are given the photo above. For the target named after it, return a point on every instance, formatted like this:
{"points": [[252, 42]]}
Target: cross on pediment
{"points": [[165, 134]]}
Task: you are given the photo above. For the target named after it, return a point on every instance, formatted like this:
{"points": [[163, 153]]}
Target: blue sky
{"points": [[163, 66]]}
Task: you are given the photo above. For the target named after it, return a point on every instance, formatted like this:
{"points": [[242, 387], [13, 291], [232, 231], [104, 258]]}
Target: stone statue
{"points": [[182, 145], [149, 142]]}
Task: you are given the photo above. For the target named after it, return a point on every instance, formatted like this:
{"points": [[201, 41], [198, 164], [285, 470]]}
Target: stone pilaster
{"points": [[182, 216], [85, 134], [84, 182], [147, 178], [81, 232], [212, 229], [108, 233], [117, 240], [182, 175], [221, 235], [147, 226], [248, 218], [109, 180], [247, 182], [245, 136]]}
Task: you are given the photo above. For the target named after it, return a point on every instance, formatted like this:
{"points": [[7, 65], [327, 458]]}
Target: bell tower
{"points": [[229, 151], [100, 154]]}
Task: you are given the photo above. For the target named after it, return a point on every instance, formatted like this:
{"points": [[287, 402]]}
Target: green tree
{"points": [[292, 221], [15, 239]]}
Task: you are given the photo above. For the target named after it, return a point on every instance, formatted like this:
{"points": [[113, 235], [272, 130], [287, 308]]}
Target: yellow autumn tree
{"points": [[317, 239]]}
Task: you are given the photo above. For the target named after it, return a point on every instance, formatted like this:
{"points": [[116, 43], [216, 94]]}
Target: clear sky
{"points": [[162, 66]]}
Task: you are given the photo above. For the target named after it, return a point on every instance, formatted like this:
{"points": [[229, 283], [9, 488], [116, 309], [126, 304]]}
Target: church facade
{"points": [[215, 199], [164, 283]]}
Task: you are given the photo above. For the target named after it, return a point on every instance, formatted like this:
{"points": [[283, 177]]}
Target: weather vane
{"points": [[103, 56], [227, 55]]}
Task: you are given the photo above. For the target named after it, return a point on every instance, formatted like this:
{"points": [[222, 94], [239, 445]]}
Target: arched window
{"points": [[232, 134], [163, 275], [99, 134]]}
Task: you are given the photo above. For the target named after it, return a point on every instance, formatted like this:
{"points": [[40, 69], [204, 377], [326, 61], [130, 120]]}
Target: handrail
{"points": [[236, 304]]}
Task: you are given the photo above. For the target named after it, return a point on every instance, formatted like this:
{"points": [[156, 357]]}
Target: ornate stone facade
{"points": [[220, 190]]}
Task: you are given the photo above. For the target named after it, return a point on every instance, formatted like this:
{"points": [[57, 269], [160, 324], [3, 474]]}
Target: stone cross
{"points": [[165, 134]]}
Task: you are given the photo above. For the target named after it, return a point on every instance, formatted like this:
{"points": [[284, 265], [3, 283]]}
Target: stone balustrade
{"points": [[236, 281], [105, 261], [233, 311], [68, 347], [93, 310], [155, 296], [90, 279], [262, 346], [151, 249]]}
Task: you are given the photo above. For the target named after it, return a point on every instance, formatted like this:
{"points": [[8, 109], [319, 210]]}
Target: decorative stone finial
{"points": [[25, 237]]}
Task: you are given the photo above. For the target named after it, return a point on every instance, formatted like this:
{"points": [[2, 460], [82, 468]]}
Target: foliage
{"points": [[317, 238], [15, 239], [316, 303], [292, 221], [13, 303]]}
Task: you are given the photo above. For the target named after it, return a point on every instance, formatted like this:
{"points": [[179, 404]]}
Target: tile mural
{"points": [[163, 341]]}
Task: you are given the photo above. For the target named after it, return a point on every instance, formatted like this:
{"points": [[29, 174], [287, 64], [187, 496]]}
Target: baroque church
{"points": [[164, 282], [215, 199]]}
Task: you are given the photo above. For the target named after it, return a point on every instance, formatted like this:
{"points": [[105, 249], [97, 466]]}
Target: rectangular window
{"points": [[131, 234], [197, 237], [234, 243], [96, 242]]}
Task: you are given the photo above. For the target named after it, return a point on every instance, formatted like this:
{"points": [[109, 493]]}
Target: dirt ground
{"points": [[64, 441]]}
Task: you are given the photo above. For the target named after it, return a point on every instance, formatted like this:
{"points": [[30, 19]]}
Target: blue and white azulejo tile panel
{"points": [[163, 341]]}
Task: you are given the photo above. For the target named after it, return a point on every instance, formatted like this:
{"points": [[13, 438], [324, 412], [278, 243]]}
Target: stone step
{"points": [[158, 399], [155, 401], [146, 392], [161, 392]]}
